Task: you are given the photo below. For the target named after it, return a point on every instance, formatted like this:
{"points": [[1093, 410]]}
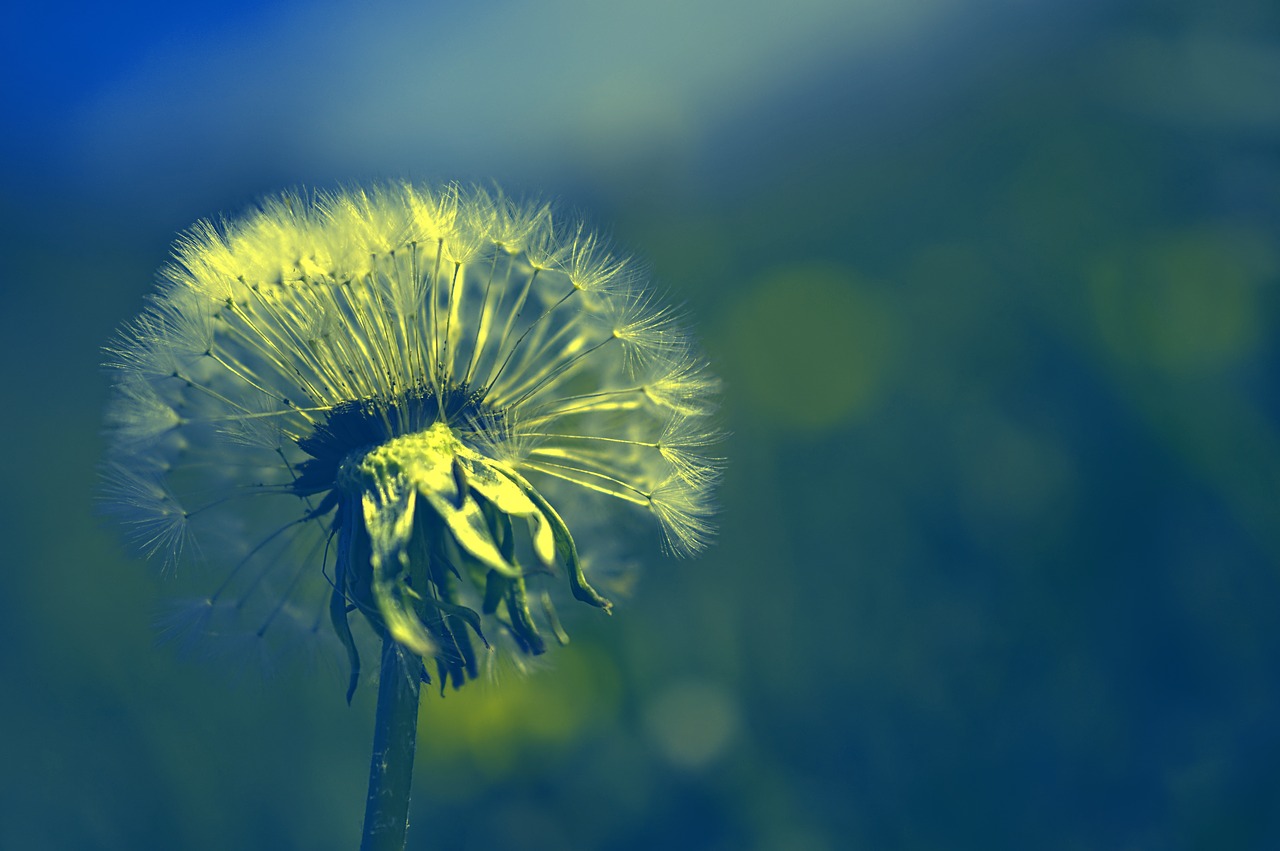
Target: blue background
{"points": [[993, 286]]}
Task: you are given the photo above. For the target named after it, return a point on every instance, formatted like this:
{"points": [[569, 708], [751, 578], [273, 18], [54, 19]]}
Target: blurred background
{"points": [[993, 286]]}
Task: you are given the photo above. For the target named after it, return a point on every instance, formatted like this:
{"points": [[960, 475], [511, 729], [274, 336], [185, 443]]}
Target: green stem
{"points": [[395, 734]]}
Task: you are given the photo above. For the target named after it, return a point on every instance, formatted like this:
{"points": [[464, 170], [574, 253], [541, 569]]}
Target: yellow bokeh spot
{"points": [[807, 347], [1185, 302], [494, 726]]}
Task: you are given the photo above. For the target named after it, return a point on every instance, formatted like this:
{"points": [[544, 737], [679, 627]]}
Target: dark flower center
{"points": [[367, 423]]}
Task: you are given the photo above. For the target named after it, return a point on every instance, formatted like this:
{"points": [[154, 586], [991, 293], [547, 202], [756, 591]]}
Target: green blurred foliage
{"points": [[811, 347], [999, 550]]}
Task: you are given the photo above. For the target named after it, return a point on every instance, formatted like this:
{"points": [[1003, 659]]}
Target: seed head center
{"points": [[424, 458]]}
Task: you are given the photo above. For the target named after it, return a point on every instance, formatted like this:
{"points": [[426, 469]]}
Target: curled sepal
{"points": [[565, 548], [512, 590], [495, 589], [338, 617], [552, 618], [469, 616], [466, 521], [345, 583], [508, 498], [522, 625], [388, 518]]}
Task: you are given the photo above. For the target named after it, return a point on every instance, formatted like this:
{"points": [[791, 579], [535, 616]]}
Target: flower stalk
{"points": [[395, 735]]}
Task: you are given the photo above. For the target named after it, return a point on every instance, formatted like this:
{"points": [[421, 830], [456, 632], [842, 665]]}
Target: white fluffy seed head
{"points": [[336, 322]]}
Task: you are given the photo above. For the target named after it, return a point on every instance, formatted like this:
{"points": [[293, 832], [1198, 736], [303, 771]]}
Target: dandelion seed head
{"points": [[406, 413]]}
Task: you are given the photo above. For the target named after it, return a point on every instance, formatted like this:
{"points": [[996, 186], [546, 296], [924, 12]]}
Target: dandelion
{"points": [[379, 413]]}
